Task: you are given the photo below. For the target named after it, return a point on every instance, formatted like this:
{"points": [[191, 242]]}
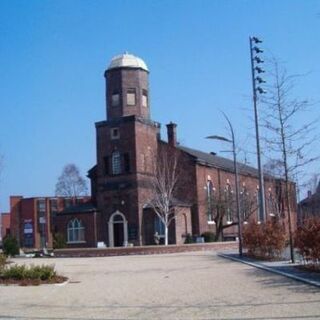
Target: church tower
{"points": [[126, 143], [127, 87]]}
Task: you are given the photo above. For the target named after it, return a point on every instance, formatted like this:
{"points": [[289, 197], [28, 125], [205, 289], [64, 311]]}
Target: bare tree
{"points": [[164, 183], [274, 168], [70, 183], [221, 207], [285, 139]]}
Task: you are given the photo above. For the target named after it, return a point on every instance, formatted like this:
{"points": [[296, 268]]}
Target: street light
{"points": [[235, 166], [256, 71]]}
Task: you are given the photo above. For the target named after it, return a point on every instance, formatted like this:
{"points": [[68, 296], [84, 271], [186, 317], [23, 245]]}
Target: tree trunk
{"points": [[166, 235]]}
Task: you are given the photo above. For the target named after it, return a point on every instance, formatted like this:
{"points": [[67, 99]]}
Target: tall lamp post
{"points": [[236, 174], [256, 70]]}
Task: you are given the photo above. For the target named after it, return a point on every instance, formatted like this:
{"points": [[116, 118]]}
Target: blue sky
{"points": [[53, 55]]}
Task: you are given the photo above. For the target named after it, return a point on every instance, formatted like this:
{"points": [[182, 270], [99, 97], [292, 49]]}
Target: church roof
{"points": [[219, 162], [174, 202], [127, 60], [79, 208]]}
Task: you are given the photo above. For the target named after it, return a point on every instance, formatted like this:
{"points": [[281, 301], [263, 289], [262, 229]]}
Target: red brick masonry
{"points": [[121, 251]]}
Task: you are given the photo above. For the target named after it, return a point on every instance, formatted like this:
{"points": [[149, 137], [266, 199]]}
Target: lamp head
{"points": [[218, 138], [256, 40], [259, 70], [257, 50]]}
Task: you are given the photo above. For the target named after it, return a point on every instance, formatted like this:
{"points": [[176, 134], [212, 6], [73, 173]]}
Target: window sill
{"points": [[211, 222]]}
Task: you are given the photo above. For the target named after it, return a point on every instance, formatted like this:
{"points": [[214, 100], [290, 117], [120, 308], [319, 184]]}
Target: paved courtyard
{"points": [[175, 286]]}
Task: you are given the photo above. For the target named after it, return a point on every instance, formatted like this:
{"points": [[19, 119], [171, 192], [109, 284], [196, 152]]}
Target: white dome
{"points": [[127, 60]]}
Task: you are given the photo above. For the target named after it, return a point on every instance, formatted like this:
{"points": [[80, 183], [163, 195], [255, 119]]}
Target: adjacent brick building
{"points": [[4, 224], [34, 220], [128, 143]]}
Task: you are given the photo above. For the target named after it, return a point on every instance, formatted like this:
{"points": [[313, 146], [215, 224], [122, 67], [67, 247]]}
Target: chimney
{"points": [[172, 134], [158, 131], [309, 194]]}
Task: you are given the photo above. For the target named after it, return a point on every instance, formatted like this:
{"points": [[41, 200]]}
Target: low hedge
{"points": [[266, 240], [209, 236], [32, 272], [307, 241]]}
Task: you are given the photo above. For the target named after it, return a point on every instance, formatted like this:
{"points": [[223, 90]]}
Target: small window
{"points": [[116, 162], [41, 205], [75, 231], [115, 99], [115, 133], [145, 98], [131, 97], [53, 206], [106, 165], [126, 162]]}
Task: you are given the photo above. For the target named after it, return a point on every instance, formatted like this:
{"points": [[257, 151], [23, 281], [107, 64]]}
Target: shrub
{"points": [[59, 241], [14, 272], [266, 240], [3, 260], [22, 272], [10, 246], [209, 236], [189, 239], [40, 272], [307, 240]]}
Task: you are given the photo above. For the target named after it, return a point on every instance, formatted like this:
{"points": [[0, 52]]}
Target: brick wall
{"points": [[144, 250], [5, 224]]}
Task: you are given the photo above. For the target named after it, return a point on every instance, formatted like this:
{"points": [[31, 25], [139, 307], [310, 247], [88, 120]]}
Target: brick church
{"points": [[119, 213]]}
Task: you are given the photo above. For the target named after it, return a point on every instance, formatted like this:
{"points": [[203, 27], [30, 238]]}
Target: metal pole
{"points": [[236, 173], [0, 227], [262, 214]]}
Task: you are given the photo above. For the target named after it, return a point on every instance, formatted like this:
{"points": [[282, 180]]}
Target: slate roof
{"points": [[174, 202], [218, 162], [79, 208], [311, 199]]}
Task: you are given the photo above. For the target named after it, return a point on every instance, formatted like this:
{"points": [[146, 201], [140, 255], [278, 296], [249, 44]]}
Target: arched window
{"points": [[75, 231], [210, 200], [116, 162], [229, 202], [246, 205], [272, 205]]}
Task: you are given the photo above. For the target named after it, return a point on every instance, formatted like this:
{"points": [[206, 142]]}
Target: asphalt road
{"points": [[176, 286]]}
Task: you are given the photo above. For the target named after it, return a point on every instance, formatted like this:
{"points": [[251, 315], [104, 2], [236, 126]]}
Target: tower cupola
{"points": [[127, 87]]}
